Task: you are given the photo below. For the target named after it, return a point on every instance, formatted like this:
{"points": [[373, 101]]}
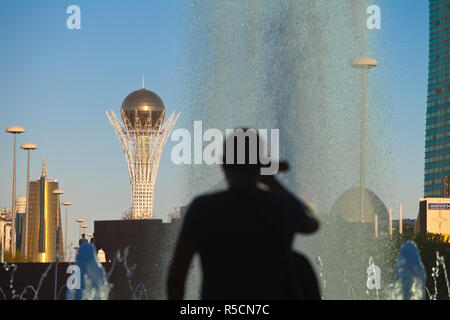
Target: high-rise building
{"points": [[8, 237], [43, 219], [21, 206], [437, 136], [5, 214], [142, 136], [5, 229]]}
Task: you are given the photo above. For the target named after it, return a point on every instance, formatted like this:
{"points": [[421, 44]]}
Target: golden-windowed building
{"points": [[44, 220]]}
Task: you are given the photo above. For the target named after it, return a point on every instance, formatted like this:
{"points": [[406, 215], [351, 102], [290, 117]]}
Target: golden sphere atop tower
{"points": [[142, 108]]}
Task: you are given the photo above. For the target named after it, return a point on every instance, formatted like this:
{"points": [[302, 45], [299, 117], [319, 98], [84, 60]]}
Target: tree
{"points": [[127, 214]]}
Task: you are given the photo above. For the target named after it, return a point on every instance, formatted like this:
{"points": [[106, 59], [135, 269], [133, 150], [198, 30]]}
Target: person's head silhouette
{"points": [[83, 236], [241, 159]]}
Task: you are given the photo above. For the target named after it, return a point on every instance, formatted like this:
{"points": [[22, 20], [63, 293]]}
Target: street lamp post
{"points": [[66, 204], [2, 233], [57, 193], [29, 147], [15, 130], [363, 63]]}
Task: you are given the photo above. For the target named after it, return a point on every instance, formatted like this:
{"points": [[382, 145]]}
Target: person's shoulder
{"points": [[274, 194], [210, 197], [205, 203]]}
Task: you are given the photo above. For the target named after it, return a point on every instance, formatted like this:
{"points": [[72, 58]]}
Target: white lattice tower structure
{"points": [[142, 136]]}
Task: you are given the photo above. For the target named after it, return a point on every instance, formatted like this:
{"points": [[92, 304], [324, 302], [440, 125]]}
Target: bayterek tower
{"points": [[142, 135]]}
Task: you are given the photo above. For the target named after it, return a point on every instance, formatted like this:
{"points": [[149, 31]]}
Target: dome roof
{"points": [[347, 206], [142, 106], [21, 200], [21, 204]]}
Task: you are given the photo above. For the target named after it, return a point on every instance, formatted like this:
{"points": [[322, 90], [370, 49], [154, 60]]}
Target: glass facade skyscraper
{"points": [[437, 136]]}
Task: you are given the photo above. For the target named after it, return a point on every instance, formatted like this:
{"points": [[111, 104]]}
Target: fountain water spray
{"points": [[440, 262], [409, 282], [285, 65], [373, 277], [319, 262], [94, 282], [94, 285], [139, 292]]}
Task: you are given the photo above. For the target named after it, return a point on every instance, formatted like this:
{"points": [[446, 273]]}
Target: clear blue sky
{"points": [[403, 47], [57, 84]]}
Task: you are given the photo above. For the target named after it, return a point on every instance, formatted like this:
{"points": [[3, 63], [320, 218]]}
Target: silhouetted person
{"points": [[244, 237], [94, 243], [83, 240]]}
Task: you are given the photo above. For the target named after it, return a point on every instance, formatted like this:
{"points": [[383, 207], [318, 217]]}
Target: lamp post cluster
{"points": [[15, 130]]}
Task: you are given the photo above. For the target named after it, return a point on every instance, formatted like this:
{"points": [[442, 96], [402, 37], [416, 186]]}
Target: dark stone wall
{"points": [[30, 274], [150, 246]]}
